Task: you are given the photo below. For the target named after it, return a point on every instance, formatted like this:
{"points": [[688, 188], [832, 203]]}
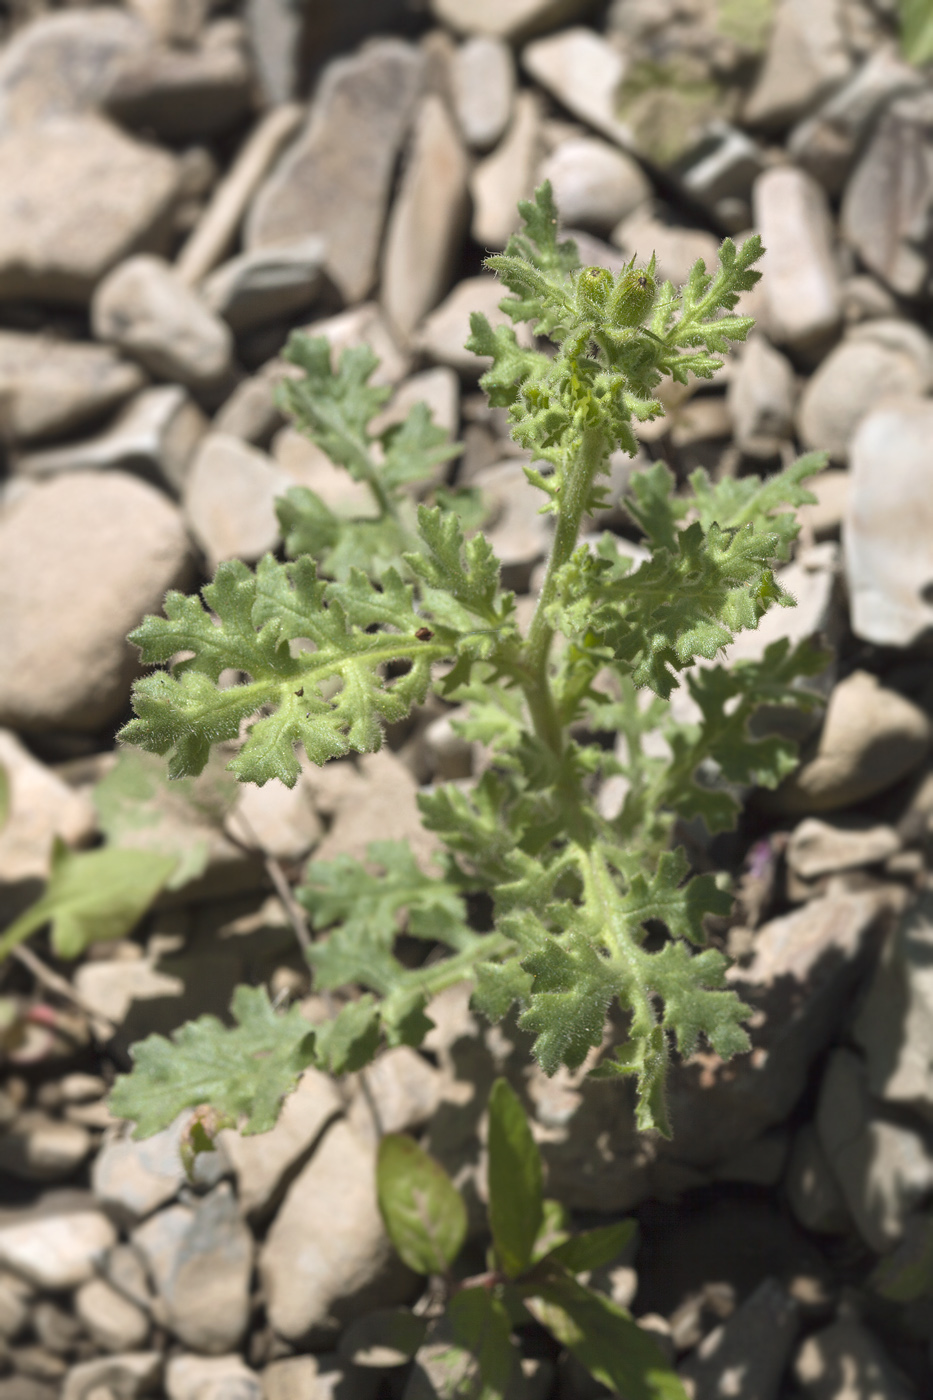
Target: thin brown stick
{"points": [[102, 1026]]}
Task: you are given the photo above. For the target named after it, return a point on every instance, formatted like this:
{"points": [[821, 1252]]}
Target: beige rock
{"points": [[676, 249], [760, 398], [111, 1320], [439, 388], [281, 821], [426, 224], [518, 534], [846, 1362], [820, 848], [110, 987], [56, 1244], [585, 73], [305, 464], [190, 1377], [799, 277], [49, 387], [443, 334], [808, 56], [173, 21], [214, 234], [264, 1162], [506, 19], [405, 1090], [267, 284], [507, 175], [41, 807], [251, 412], [335, 179], [327, 1258], [82, 560], [131, 1374], [364, 325], [824, 518], [65, 64], [595, 185], [888, 526], [39, 1148], [871, 737], [149, 312], [229, 499], [76, 196], [132, 1179], [154, 437], [376, 804], [482, 78]]}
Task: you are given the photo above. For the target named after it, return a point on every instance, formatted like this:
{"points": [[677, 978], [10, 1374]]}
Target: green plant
{"points": [[917, 30], [532, 1275], [330, 660]]}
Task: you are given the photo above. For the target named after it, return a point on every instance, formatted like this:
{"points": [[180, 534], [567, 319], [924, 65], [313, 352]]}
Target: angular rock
{"points": [[721, 173], [40, 807], [39, 1148], [824, 517], [519, 535], [812, 1190], [444, 333], [327, 1258], [883, 1168], [676, 249], [378, 800], [282, 822], [191, 93], [439, 388], [507, 175], [322, 1377], [145, 309], [15, 1299], [211, 1378], [77, 196], [595, 185], [267, 284], [405, 1089], [305, 464], [878, 359], [50, 387], [112, 987], [808, 56], [482, 79], [584, 72], [201, 1260], [820, 848], [751, 1350], [56, 1244], [265, 1162], [827, 143], [127, 1376], [132, 1179], [889, 524], [885, 214], [229, 499], [335, 179], [82, 559], [112, 1321], [251, 412], [154, 437], [506, 19], [65, 64], [760, 397], [172, 21], [364, 325], [871, 737], [425, 226], [799, 277], [895, 1023], [845, 1360]]}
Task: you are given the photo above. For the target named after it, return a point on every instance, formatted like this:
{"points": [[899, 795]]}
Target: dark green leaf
{"points": [[482, 1327], [593, 1248], [382, 1339], [423, 1212], [515, 1195]]}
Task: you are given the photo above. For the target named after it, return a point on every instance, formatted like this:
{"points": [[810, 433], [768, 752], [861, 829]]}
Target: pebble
{"points": [[326, 1258], [305, 464], [439, 388], [883, 1168], [364, 325], [506, 19], [812, 1190], [267, 284], [282, 821], [335, 179], [379, 800], [583, 71], [720, 174], [846, 1362], [51, 387], [112, 987], [824, 517], [133, 1178], [154, 437], [251, 413], [40, 807], [520, 537], [265, 1162], [819, 847], [885, 209], [443, 334], [322, 1377], [15, 1306], [808, 55], [212, 1378], [799, 277], [879, 359], [405, 1089], [595, 185], [172, 21], [112, 1321], [676, 249], [82, 559], [145, 309], [56, 1244], [132, 1374], [760, 397], [507, 175], [76, 196], [229, 499], [482, 80], [426, 225], [201, 1259], [747, 1355], [40, 1148], [894, 1025], [871, 737], [889, 524]]}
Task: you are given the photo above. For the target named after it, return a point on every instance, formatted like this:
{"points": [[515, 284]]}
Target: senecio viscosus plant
{"points": [[371, 614]]}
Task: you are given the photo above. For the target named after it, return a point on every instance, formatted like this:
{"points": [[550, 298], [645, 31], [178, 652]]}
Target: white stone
{"points": [[364, 325], [518, 534], [676, 249], [52, 1250], [49, 387], [133, 1178], [820, 848], [266, 284], [281, 821], [439, 388], [40, 807], [761, 397], [584, 72], [482, 78], [211, 1378], [443, 334], [799, 277], [595, 185], [39, 1148], [807, 57], [229, 499], [426, 224], [112, 1321], [507, 175]]}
